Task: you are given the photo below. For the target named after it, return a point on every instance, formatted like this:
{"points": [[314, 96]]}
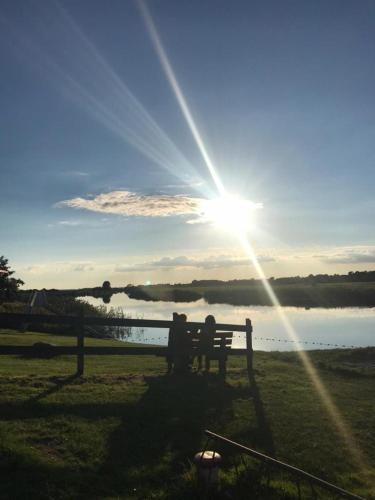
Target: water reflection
{"points": [[345, 326]]}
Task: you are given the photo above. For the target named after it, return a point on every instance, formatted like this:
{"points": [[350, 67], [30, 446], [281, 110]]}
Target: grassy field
{"points": [[303, 295], [126, 430]]}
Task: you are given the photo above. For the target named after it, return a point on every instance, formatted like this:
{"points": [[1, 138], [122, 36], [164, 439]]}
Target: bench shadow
{"points": [[156, 439], [168, 421], [165, 429]]}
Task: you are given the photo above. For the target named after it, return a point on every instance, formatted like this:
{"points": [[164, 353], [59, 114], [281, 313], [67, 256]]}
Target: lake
{"points": [[345, 326]]}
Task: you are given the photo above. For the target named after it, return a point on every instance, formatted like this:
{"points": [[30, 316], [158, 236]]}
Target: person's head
{"points": [[183, 317], [210, 320]]}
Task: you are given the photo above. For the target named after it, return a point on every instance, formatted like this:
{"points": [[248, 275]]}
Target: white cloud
{"points": [[127, 203]]}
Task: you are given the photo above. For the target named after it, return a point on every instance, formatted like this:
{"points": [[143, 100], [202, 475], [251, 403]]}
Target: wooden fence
{"points": [[14, 320]]}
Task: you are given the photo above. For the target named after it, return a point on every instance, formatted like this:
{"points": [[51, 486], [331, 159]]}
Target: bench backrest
{"points": [[222, 340]]}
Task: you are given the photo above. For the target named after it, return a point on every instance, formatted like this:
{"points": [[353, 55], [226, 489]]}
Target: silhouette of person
{"points": [[193, 335], [206, 341], [181, 343]]}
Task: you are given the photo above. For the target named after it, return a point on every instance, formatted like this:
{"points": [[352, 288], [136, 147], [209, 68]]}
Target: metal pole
{"points": [[282, 465]]}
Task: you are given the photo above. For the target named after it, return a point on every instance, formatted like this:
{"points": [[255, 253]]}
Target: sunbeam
{"points": [[179, 95], [78, 69], [135, 123], [334, 413], [332, 409]]}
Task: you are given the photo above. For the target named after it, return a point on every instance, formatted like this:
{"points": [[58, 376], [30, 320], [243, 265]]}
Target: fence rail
{"points": [[14, 320], [295, 471], [96, 350], [100, 321]]}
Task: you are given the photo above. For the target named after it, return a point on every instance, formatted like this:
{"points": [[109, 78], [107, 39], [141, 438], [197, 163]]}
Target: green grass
{"points": [[125, 430]]}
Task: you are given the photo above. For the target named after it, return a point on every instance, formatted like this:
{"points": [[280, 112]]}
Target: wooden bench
{"points": [[221, 348]]}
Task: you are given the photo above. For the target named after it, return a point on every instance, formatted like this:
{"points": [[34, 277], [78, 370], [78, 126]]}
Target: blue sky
{"points": [[282, 94]]}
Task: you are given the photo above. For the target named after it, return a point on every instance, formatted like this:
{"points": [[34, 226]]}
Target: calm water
{"points": [[346, 326]]}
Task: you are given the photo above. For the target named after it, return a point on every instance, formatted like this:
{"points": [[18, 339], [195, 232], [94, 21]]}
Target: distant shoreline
{"points": [[326, 295], [297, 295]]}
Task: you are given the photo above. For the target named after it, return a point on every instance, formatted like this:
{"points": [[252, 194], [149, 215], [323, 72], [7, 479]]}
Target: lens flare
{"points": [[230, 213], [219, 213]]}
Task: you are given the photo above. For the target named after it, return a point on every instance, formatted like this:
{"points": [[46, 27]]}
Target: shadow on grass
{"points": [[159, 438], [264, 428], [154, 442], [158, 441], [151, 448], [59, 382]]}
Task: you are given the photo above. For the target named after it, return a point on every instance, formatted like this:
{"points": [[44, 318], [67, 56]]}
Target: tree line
{"points": [[350, 277]]}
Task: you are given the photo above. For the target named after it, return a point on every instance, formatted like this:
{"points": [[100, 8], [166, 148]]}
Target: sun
{"points": [[230, 213]]}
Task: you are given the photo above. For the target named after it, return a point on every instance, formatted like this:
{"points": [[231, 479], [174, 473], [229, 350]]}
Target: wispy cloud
{"points": [[83, 267], [211, 262], [350, 256], [127, 203], [77, 173], [60, 267], [187, 184], [70, 223]]}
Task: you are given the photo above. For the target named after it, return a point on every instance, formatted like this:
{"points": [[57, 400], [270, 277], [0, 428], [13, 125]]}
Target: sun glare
{"points": [[230, 213], [238, 215]]}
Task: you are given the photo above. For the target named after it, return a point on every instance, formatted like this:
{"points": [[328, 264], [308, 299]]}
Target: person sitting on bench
{"points": [[181, 345], [206, 341]]}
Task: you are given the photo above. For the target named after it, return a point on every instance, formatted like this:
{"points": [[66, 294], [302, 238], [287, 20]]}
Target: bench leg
{"points": [[222, 367]]}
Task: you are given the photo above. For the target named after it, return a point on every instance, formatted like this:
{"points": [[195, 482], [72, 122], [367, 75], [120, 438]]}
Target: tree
{"points": [[8, 285]]}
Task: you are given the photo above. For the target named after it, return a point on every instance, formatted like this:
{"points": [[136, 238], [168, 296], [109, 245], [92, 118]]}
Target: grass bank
{"points": [[125, 430]]}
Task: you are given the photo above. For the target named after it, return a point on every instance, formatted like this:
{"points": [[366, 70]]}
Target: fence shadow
{"points": [[264, 429], [60, 383]]}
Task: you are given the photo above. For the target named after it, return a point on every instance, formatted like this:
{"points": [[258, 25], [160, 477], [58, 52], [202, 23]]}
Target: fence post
{"points": [[222, 358], [81, 344], [249, 346]]}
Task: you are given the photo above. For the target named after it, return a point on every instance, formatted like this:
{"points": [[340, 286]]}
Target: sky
{"points": [[104, 170]]}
